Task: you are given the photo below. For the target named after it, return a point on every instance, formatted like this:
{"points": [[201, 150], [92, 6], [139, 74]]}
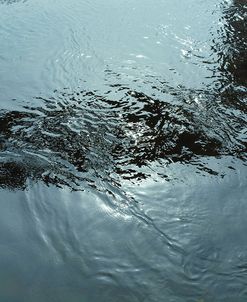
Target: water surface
{"points": [[123, 151]]}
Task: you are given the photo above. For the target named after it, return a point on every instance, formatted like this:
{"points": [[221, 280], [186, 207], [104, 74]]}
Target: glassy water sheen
{"points": [[123, 146]]}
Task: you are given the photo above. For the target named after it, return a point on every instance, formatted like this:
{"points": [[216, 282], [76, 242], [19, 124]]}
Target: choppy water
{"points": [[123, 151]]}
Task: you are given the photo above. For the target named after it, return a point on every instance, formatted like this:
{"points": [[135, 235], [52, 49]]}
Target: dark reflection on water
{"points": [[232, 48], [11, 1], [82, 136], [135, 189]]}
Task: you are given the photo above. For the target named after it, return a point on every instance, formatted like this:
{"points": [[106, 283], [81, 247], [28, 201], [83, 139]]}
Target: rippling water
{"points": [[123, 149]]}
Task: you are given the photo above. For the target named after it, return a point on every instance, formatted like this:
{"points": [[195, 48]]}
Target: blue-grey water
{"points": [[123, 151]]}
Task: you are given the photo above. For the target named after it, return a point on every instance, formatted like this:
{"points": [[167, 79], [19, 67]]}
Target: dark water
{"points": [[123, 147]]}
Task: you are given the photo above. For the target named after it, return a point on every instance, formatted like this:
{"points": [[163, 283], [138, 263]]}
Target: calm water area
{"points": [[123, 151]]}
